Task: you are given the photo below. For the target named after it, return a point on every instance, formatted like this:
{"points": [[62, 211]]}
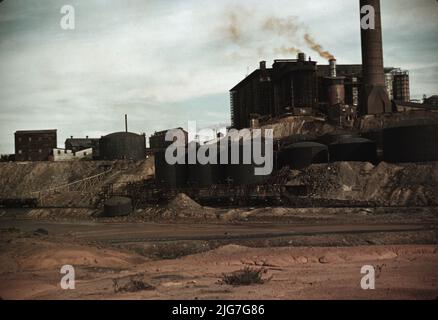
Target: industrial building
{"points": [[80, 144], [158, 140], [69, 155], [35, 145], [289, 87], [300, 87], [431, 101]]}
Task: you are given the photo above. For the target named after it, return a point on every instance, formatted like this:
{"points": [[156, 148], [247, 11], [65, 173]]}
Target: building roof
{"points": [[36, 131], [249, 77], [159, 133], [424, 105], [346, 69], [79, 142]]}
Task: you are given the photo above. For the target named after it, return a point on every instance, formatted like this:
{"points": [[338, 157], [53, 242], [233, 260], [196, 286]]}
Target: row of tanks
{"points": [[204, 175], [406, 143], [297, 155]]}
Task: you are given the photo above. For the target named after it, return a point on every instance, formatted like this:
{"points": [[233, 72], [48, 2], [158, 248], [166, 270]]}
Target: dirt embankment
{"points": [[24, 179], [290, 126], [383, 185]]}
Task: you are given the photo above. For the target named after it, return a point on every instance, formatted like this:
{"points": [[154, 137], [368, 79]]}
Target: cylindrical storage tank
{"points": [[377, 137], [330, 138], [401, 87], [244, 174], [123, 146], [205, 175], [173, 176], [374, 135], [302, 155], [117, 206], [353, 149], [411, 144], [336, 92]]}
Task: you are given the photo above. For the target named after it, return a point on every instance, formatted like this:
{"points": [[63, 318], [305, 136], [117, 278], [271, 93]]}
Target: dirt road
{"points": [[154, 232]]}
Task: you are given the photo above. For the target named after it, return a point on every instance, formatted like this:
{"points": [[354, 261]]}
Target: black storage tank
{"points": [[171, 176], [353, 149], [330, 138], [377, 137], [123, 146], [205, 175], [303, 154], [418, 143], [118, 206], [244, 174]]}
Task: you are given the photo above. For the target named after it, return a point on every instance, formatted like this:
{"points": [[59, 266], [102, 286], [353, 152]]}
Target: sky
{"points": [[167, 62]]}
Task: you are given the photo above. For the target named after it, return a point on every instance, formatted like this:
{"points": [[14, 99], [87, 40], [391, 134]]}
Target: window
{"points": [[40, 151], [59, 152], [20, 152], [30, 139]]}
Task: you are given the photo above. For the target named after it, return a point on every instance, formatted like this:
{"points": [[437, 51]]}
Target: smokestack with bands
{"points": [[374, 96], [332, 64]]}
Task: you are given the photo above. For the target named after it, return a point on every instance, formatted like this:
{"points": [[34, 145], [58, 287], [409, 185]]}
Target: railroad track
{"points": [[271, 235]]}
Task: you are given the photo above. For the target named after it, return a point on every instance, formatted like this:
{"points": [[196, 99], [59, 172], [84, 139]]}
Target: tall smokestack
{"points": [[332, 67], [126, 123], [375, 98]]}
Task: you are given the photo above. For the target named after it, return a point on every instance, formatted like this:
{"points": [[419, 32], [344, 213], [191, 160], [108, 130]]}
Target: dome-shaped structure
{"points": [[123, 146], [353, 149], [303, 154], [417, 143]]}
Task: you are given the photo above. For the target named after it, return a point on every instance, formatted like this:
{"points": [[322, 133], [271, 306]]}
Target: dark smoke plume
{"points": [[317, 47]]}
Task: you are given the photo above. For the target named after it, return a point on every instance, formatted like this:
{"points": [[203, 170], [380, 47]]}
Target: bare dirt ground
{"points": [[187, 261], [182, 250]]}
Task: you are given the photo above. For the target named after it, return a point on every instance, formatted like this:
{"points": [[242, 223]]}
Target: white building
{"points": [[68, 155]]}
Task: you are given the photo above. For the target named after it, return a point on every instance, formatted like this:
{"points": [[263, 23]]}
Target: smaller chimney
{"points": [[332, 63], [86, 137], [71, 137], [126, 123], [302, 57], [263, 65]]}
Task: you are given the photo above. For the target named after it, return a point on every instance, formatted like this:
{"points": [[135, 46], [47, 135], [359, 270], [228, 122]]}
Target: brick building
{"points": [[35, 145]]}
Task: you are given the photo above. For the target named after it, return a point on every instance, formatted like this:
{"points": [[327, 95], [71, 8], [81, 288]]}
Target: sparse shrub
{"points": [[131, 285], [170, 251], [244, 277]]}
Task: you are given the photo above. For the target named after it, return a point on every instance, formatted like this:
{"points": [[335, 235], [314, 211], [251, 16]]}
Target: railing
{"points": [[80, 186]]}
